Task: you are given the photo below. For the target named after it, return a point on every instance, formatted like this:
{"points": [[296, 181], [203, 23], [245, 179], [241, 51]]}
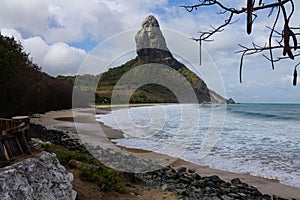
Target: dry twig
{"points": [[285, 33]]}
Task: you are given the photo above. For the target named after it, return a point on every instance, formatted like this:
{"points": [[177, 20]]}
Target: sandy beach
{"points": [[100, 134]]}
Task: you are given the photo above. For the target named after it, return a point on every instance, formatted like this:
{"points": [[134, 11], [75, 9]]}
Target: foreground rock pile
{"points": [[36, 178], [190, 185]]}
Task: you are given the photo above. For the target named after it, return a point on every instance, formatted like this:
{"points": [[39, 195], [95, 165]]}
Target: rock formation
{"points": [[37, 178], [151, 48], [151, 45], [150, 36]]}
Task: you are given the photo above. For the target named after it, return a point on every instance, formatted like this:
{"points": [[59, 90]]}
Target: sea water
{"points": [[259, 139]]}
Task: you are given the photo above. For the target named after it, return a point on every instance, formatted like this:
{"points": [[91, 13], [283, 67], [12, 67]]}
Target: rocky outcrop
{"points": [[36, 178], [190, 185], [156, 73], [150, 42], [57, 137], [151, 47]]}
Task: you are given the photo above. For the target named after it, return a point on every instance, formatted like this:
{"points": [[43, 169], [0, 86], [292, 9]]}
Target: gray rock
{"points": [[151, 46], [185, 180], [181, 169], [150, 42], [215, 198], [36, 178], [225, 197], [278, 198], [196, 176], [179, 191], [215, 179], [266, 197], [234, 195], [164, 187], [236, 181]]}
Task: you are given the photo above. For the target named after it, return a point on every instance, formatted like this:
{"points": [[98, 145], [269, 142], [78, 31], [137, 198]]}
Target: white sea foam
{"points": [[263, 140]]}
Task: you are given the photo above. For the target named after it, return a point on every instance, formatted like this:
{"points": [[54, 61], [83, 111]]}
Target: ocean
{"points": [[259, 139]]}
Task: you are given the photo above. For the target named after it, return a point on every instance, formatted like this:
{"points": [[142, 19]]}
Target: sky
{"points": [[67, 37]]}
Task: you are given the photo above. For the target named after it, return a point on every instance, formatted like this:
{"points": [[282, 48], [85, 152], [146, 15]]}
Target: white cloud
{"points": [[58, 58], [63, 59], [12, 33], [69, 21], [27, 15], [48, 28], [36, 47]]}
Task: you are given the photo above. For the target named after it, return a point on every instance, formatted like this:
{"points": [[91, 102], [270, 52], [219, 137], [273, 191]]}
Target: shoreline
{"points": [[64, 121]]}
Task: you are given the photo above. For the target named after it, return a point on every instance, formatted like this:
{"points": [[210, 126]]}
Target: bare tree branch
{"points": [[270, 38], [283, 34]]}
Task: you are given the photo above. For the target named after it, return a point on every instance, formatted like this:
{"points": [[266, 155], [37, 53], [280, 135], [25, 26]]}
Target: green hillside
{"points": [[149, 93]]}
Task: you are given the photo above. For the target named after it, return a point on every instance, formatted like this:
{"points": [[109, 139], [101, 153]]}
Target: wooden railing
{"points": [[13, 138]]}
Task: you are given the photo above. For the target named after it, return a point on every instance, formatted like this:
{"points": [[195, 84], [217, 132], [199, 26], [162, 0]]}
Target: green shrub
{"points": [[64, 155], [107, 179]]}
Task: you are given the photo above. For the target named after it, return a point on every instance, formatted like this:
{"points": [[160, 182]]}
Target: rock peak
{"points": [[150, 21], [151, 45]]}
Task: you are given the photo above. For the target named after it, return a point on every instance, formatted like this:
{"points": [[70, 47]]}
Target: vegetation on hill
{"points": [[24, 88], [12, 58], [149, 93]]}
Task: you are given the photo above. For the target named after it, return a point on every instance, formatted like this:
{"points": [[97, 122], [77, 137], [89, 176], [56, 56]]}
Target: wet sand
{"points": [[100, 134]]}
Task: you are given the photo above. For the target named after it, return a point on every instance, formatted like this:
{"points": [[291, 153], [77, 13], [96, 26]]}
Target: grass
{"points": [[107, 179]]}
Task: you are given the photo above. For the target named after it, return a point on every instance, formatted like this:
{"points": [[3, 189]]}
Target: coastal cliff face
{"points": [[37, 178]]}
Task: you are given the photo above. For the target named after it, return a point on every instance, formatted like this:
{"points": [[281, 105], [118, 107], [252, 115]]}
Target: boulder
{"points": [[37, 178]]}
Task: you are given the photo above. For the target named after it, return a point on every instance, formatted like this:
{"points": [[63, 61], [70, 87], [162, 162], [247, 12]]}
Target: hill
{"points": [[24, 88], [153, 76], [149, 93]]}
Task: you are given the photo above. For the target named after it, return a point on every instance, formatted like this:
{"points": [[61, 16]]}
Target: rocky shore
{"points": [[186, 183], [56, 137], [190, 185]]}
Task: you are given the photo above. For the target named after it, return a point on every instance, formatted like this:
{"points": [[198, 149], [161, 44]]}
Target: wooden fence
{"points": [[13, 138]]}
